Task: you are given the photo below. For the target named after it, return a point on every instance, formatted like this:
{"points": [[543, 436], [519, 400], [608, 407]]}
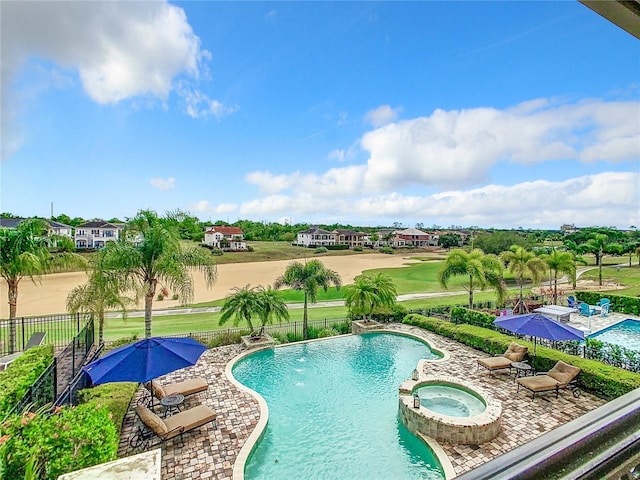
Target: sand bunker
{"points": [[49, 295]]}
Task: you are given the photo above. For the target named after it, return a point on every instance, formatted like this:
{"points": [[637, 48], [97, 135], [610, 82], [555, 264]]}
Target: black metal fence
{"points": [[60, 330], [64, 372], [291, 329]]}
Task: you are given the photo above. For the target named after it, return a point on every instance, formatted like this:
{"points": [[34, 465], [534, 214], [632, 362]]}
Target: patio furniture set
{"points": [[561, 376]]}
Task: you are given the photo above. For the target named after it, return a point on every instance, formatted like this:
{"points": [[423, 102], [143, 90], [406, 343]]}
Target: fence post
{"points": [[23, 339]]}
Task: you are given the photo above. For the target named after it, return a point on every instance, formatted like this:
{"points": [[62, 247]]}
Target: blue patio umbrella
{"points": [[145, 360], [537, 325]]}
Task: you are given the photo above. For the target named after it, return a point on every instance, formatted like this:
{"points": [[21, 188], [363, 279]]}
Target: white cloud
{"points": [[120, 50], [199, 105], [382, 115], [163, 184], [612, 196], [337, 155], [456, 149], [203, 206]]}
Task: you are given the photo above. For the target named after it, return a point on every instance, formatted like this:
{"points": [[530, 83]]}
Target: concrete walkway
{"points": [[209, 453]]}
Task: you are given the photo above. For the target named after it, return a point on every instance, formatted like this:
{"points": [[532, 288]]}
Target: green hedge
{"points": [[115, 397], [604, 380], [472, 317], [619, 303], [20, 375], [71, 439]]}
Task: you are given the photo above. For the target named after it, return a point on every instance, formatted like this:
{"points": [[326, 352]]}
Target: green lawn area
{"points": [[416, 278]]}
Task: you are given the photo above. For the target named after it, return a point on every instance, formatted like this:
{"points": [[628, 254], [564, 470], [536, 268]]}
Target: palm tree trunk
{"points": [[305, 322], [555, 288], [470, 293], [148, 305], [13, 308], [100, 327]]}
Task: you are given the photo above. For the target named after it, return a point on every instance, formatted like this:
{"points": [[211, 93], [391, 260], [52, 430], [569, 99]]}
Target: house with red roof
{"points": [[225, 238]]}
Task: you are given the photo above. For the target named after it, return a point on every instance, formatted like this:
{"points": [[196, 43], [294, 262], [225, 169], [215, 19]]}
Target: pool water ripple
{"points": [[333, 410]]}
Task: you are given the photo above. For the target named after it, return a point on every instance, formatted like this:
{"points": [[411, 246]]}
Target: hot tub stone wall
{"points": [[455, 430]]}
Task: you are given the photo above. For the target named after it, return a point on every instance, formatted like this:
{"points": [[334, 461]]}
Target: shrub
{"points": [[175, 296], [160, 297], [217, 252], [320, 250], [387, 250], [357, 248], [327, 332], [606, 380], [224, 338], [70, 439], [342, 328], [20, 375], [119, 343], [619, 303], [115, 397]]}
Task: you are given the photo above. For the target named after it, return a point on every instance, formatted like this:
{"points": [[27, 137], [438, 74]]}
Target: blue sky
{"points": [[491, 114]]}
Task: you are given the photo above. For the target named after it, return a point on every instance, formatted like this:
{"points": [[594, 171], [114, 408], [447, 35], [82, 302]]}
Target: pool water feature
{"points": [[625, 333], [450, 400], [333, 410]]}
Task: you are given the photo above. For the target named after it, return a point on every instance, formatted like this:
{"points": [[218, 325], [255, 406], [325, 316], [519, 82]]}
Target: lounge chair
{"points": [[515, 353], [186, 387], [562, 375], [170, 427], [36, 339]]}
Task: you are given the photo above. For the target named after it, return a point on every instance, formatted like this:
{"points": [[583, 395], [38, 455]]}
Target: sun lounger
{"points": [[515, 353], [562, 375], [170, 427], [36, 339], [186, 387]]}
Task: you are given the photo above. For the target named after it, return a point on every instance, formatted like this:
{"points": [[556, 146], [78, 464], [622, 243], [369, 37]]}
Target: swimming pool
{"points": [[625, 333], [333, 410]]}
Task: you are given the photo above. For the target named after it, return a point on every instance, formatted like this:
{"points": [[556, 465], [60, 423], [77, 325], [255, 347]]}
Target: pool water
{"points": [[451, 401], [333, 410], [626, 334]]}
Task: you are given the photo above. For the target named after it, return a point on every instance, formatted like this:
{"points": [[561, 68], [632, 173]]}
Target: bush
{"points": [[357, 248], [20, 375], [608, 381], [320, 250], [175, 296], [387, 250], [115, 397], [619, 303], [70, 439], [120, 343], [217, 252], [160, 297], [224, 338]]}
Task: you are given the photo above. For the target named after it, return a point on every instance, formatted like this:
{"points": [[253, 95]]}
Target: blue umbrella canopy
{"points": [[145, 360], [538, 326]]}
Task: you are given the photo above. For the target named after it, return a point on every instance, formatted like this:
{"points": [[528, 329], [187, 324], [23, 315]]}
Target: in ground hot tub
{"points": [[450, 410]]}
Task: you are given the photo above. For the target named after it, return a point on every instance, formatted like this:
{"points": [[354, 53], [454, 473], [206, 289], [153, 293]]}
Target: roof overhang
{"points": [[624, 13]]}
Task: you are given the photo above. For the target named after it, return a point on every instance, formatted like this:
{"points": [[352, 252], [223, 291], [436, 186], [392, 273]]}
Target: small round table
{"points": [[522, 369], [171, 403]]}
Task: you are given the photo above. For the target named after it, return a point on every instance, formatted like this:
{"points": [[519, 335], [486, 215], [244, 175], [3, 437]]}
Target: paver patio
{"points": [[210, 453]]}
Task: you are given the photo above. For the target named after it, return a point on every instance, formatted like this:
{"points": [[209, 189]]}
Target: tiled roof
{"points": [[97, 224], [225, 230], [10, 222]]}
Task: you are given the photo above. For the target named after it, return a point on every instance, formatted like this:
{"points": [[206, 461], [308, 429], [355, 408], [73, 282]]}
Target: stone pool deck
{"points": [[210, 453]]}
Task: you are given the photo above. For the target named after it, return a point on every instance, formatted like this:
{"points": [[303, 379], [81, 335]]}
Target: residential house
{"points": [[96, 234], [55, 228], [315, 237], [351, 238], [225, 238], [417, 238], [568, 229]]}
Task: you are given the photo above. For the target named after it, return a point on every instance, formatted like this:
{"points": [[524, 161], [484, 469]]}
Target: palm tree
{"points": [[24, 253], [308, 277], [481, 269], [151, 256], [249, 302], [101, 293], [559, 262], [272, 305], [576, 252], [369, 292], [243, 305], [523, 264], [597, 245]]}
